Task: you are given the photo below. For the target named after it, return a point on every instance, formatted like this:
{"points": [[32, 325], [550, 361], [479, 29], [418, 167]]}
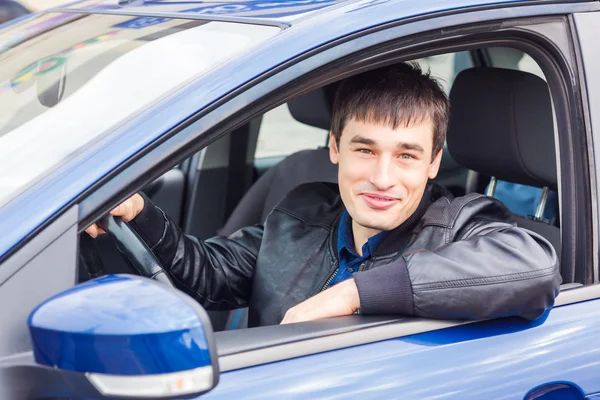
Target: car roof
{"points": [[286, 11], [302, 29], [281, 11]]}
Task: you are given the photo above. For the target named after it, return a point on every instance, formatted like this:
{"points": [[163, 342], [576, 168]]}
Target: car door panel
{"points": [[42, 268], [498, 359]]}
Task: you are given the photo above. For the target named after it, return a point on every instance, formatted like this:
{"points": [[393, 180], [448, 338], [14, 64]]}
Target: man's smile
{"points": [[379, 201]]}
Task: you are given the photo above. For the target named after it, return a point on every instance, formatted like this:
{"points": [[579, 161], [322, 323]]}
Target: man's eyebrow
{"points": [[411, 146], [362, 140]]}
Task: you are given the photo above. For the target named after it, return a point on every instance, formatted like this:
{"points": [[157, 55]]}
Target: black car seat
{"points": [[302, 167], [314, 109], [502, 127]]}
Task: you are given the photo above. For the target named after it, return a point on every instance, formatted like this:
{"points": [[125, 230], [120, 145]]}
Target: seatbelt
{"points": [[240, 174], [237, 169]]}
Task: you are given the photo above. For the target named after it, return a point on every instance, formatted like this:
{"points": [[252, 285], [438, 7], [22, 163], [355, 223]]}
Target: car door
{"points": [[552, 358]]}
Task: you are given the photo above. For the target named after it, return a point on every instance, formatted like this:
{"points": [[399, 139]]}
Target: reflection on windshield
{"points": [[106, 38], [46, 74], [66, 86]]}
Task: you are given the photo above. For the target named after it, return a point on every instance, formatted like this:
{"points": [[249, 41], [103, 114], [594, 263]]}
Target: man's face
{"points": [[383, 172]]}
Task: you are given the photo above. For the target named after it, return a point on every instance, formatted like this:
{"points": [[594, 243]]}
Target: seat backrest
{"points": [[314, 109], [502, 126], [298, 168]]}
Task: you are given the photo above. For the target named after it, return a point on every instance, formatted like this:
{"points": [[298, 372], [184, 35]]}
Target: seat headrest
{"points": [[314, 108], [501, 125]]}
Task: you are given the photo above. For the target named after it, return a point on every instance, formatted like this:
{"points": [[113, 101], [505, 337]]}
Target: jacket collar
{"points": [[397, 239]]}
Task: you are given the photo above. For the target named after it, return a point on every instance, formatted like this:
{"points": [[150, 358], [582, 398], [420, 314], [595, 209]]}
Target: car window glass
{"points": [[280, 134], [102, 68], [445, 67], [509, 58]]}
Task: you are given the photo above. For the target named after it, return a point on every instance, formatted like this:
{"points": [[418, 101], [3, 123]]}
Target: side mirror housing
{"points": [[129, 336]]}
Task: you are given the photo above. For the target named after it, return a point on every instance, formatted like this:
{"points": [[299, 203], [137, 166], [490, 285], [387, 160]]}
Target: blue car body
{"points": [[555, 357]]}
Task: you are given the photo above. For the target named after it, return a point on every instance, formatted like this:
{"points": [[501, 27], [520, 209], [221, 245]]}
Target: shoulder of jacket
{"points": [[457, 212], [317, 203]]}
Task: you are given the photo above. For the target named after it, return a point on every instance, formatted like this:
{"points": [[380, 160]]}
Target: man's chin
{"points": [[379, 222]]}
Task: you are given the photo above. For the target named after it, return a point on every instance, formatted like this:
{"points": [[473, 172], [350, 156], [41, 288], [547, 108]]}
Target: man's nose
{"points": [[382, 176]]}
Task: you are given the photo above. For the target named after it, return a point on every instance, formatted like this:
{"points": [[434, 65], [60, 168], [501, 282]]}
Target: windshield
{"points": [[64, 87]]}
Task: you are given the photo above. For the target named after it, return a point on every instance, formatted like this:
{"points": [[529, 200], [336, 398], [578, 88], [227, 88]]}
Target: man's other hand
{"points": [[127, 210], [341, 299]]}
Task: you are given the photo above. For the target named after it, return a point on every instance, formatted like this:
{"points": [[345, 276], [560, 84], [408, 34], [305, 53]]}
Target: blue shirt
{"points": [[350, 261]]}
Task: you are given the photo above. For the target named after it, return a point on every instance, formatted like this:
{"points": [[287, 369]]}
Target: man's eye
{"points": [[407, 156], [365, 151]]}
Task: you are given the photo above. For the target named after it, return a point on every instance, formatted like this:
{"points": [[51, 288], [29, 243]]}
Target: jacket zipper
{"points": [[328, 281]]}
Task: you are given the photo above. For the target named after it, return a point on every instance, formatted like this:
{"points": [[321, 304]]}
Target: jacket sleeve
{"points": [[488, 268], [217, 272]]}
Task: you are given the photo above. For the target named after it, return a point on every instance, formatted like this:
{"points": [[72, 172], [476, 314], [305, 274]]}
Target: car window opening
{"points": [[287, 145]]}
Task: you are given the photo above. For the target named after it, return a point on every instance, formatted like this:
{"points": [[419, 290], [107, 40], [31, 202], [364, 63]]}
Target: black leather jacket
{"points": [[454, 258]]}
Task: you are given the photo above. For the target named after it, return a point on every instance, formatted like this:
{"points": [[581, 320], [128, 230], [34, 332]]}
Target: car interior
{"points": [[502, 129]]}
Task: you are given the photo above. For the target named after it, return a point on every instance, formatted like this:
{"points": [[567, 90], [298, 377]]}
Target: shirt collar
{"points": [[346, 238]]}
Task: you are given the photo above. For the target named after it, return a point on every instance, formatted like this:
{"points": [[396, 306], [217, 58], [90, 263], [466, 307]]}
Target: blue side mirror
{"points": [[129, 337]]}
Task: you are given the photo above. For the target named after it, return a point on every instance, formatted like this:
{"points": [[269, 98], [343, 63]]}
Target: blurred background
{"points": [[10, 9]]}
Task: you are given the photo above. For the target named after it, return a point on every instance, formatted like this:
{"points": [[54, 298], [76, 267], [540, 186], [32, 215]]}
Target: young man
{"points": [[385, 242]]}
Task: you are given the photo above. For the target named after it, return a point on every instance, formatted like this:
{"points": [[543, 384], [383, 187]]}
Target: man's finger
{"points": [[117, 211], [129, 209], [122, 210], [94, 230]]}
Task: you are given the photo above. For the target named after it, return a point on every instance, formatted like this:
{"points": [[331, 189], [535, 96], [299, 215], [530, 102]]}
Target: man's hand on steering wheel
{"points": [[127, 210], [128, 241]]}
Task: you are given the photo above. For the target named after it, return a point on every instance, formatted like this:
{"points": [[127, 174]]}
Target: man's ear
{"points": [[333, 149], [434, 167]]}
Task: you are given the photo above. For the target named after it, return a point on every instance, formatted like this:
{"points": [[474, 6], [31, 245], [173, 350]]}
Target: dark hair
{"points": [[400, 94]]}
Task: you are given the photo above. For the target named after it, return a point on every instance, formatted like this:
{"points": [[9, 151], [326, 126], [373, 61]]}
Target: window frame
{"points": [[414, 40], [588, 60]]}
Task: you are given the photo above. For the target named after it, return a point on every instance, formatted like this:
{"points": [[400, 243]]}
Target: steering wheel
{"points": [[134, 248]]}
